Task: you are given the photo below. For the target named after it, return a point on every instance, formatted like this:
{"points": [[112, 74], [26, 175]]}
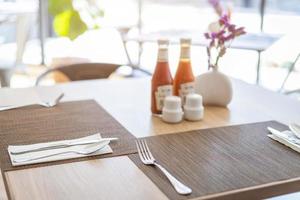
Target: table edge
{"points": [[266, 186], [3, 188]]}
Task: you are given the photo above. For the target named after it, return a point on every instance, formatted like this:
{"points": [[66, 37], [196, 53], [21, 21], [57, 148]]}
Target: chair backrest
{"points": [[82, 71]]}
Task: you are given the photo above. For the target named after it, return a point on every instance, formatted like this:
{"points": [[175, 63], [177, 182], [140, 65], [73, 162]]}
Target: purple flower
{"points": [[224, 20], [225, 33], [213, 35], [220, 33], [239, 31], [214, 3], [217, 6], [231, 27], [212, 43], [229, 37], [218, 40], [207, 36]]}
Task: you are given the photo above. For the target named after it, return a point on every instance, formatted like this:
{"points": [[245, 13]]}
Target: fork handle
{"points": [[179, 187]]}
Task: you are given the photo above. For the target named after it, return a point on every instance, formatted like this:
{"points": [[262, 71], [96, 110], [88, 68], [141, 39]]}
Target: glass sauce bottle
{"points": [[184, 78], [162, 79]]}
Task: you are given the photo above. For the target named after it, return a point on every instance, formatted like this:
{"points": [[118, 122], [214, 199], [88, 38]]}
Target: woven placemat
{"points": [[69, 120], [235, 162]]}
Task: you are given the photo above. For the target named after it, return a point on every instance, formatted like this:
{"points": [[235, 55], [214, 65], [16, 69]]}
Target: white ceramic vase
{"points": [[215, 88]]}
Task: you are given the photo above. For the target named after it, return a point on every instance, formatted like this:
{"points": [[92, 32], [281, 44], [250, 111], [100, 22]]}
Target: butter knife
{"points": [[63, 144], [83, 150]]}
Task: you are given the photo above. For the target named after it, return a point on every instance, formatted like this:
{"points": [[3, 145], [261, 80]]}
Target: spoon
{"points": [[295, 128], [86, 150], [47, 104]]}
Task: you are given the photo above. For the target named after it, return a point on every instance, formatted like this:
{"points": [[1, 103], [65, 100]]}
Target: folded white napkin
{"points": [[26, 97], [64, 156], [287, 138]]}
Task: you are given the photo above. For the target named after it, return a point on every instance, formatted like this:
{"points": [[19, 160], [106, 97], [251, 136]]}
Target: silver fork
{"points": [[148, 159]]}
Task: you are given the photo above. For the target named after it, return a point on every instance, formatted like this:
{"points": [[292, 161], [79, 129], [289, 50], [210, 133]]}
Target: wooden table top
{"points": [[129, 102]]}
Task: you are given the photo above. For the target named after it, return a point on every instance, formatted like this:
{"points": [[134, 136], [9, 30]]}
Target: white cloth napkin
{"points": [[287, 138], [28, 96], [65, 156]]}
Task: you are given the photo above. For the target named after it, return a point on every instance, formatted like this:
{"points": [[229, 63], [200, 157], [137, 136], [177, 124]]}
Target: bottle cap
{"points": [[172, 111], [185, 44], [163, 41], [186, 41], [193, 109], [163, 50], [172, 103], [193, 101]]}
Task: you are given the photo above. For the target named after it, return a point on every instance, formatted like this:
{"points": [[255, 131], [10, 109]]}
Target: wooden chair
{"points": [[83, 71]]}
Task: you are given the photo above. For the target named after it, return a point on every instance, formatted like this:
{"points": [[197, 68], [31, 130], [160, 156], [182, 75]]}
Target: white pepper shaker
{"points": [[193, 108], [172, 110]]}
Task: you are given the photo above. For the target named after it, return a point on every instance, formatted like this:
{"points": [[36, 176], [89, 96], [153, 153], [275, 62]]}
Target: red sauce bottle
{"points": [[184, 78], [162, 82]]}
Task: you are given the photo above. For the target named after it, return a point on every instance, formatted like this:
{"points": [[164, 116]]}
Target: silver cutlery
{"points": [[284, 135], [86, 150], [148, 159], [47, 146], [47, 104], [295, 128]]}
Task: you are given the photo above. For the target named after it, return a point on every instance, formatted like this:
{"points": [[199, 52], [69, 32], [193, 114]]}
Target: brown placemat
{"points": [[69, 120], [213, 161]]}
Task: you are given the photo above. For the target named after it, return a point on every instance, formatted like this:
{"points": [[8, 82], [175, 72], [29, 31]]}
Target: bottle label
{"points": [[185, 89], [185, 53], [163, 55], [162, 92]]}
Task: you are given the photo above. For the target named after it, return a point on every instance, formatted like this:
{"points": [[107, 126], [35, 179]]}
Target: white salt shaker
{"points": [[193, 108], [172, 111]]}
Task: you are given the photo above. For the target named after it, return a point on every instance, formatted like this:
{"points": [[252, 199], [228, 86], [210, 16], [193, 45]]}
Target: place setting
{"points": [[60, 150], [222, 161], [87, 131]]}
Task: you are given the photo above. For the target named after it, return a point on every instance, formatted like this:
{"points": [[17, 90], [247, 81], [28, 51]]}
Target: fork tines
{"points": [[144, 151]]}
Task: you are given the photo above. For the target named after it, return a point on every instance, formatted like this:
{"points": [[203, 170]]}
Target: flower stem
{"points": [[217, 60]]}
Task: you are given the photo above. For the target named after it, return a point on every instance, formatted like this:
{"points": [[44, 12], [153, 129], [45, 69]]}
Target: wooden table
{"points": [[2, 189], [129, 102]]}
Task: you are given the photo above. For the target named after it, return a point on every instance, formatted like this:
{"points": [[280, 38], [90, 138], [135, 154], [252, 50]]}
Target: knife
{"points": [[63, 144], [82, 150]]}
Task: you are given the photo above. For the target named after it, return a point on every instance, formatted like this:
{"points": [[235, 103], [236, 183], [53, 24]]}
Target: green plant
{"points": [[73, 17]]}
